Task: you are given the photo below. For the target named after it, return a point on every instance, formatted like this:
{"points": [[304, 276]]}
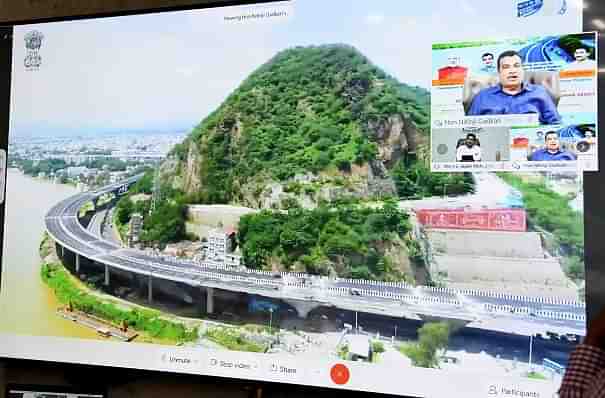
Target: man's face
{"points": [[511, 71], [581, 54], [488, 60], [552, 143], [470, 141]]}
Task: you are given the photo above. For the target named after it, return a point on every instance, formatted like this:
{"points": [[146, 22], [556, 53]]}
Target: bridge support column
{"points": [[77, 263], [62, 251], [209, 300], [303, 307], [106, 275], [150, 289]]}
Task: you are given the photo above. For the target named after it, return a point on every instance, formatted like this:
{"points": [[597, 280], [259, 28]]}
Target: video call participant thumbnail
{"points": [[552, 150], [469, 150], [487, 64], [582, 60], [514, 96]]}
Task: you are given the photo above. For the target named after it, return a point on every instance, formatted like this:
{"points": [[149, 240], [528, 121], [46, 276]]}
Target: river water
{"points": [[27, 306]]}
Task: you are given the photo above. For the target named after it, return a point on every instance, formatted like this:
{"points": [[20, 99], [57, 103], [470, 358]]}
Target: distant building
{"points": [[75, 171], [81, 187], [220, 247], [134, 229], [359, 347], [116, 176]]}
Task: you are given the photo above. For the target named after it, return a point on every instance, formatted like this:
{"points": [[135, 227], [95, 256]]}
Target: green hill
{"points": [[322, 141], [325, 111]]}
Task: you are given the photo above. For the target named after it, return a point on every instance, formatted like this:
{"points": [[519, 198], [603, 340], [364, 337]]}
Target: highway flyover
{"points": [[486, 310]]}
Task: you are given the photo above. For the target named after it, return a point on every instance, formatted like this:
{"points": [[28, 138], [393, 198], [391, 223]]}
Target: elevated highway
{"points": [[487, 310]]}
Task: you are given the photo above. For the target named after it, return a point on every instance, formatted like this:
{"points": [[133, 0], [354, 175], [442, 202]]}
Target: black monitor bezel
{"points": [[594, 182]]}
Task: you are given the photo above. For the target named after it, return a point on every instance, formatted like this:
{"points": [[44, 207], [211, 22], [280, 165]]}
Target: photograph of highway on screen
{"points": [[297, 217]]}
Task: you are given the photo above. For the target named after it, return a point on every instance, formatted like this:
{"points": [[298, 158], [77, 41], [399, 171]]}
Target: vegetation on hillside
{"points": [[417, 181], [346, 240], [306, 110], [165, 224], [551, 212]]}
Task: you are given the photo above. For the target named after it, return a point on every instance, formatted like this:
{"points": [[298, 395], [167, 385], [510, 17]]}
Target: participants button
{"points": [[511, 391]]}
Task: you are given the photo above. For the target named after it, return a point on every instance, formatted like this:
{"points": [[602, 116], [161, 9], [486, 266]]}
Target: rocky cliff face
{"points": [[395, 136], [191, 172]]}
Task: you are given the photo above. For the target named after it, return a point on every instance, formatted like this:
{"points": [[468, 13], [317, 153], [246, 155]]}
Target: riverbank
{"points": [[152, 325]]}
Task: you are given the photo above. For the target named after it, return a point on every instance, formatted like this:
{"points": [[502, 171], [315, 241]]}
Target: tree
{"points": [[125, 209], [432, 337], [145, 184], [166, 224]]}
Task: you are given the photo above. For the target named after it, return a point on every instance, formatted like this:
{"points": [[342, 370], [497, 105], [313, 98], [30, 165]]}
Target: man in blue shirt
{"points": [[513, 96], [552, 151]]}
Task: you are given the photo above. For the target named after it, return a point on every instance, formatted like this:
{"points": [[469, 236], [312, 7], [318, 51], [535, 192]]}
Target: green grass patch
{"points": [[233, 339], [147, 321], [88, 206], [44, 248], [261, 329], [536, 376]]}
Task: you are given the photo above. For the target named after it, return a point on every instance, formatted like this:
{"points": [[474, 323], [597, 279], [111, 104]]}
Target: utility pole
{"points": [[531, 343], [270, 319]]}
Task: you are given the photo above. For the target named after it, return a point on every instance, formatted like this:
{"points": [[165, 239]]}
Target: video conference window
{"points": [[509, 85], [261, 192]]}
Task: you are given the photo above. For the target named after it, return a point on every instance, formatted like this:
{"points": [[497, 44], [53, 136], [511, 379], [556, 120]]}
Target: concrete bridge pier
{"points": [[150, 289], [209, 300], [303, 307], [77, 263], [106, 282]]}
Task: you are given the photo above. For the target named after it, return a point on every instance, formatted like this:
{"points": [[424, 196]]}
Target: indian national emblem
{"points": [[33, 42]]}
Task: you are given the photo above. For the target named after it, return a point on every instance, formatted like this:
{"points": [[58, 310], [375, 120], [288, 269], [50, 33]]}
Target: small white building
{"points": [[75, 171], [359, 347], [220, 248]]}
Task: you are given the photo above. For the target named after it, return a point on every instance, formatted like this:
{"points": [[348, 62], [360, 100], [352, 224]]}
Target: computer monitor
{"points": [[249, 191]]}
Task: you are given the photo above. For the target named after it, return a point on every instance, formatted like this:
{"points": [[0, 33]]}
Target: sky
{"points": [[170, 70]]}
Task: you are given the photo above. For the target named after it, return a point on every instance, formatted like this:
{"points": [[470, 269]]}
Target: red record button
{"points": [[340, 374]]}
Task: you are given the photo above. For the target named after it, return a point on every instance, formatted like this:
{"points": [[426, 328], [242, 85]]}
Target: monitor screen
{"points": [[382, 196]]}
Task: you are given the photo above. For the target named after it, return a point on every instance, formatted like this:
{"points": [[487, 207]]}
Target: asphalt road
{"points": [[62, 224]]}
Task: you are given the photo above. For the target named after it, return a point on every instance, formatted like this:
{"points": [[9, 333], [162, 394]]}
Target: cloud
{"points": [[467, 8], [375, 19]]}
